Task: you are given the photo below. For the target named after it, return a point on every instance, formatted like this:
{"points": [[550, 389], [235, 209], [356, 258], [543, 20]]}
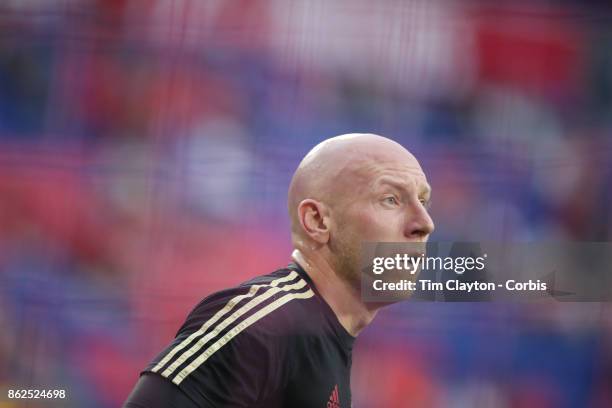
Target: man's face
{"points": [[386, 202]]}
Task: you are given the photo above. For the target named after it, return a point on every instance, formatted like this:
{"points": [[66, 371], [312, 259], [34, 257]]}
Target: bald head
{"points": [[335, 167], [347, 191]]}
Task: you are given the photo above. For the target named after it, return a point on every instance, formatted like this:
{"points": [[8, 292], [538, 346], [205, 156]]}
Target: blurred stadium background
{"points": [[146, 148]]}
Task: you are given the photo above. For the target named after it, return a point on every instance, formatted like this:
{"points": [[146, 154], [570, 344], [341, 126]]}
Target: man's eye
{"points": [[391, 200], [425, 203]]}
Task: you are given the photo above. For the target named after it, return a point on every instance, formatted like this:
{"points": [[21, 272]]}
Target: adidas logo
{"points": [[334, 399]]}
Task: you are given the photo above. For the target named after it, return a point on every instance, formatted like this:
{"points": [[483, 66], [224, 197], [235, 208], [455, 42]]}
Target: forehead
{"points": [[402, 172]]}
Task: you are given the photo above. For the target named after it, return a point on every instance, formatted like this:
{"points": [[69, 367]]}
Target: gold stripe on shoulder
{"points": [[229, 320], [226, 309], [237, 329]]}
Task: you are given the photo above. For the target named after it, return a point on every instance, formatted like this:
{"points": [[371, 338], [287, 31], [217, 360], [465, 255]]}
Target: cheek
{"points": [[372, 225]]}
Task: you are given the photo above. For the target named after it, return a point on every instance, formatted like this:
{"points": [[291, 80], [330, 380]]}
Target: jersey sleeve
{"points": [[154, 391], [230, 351]]}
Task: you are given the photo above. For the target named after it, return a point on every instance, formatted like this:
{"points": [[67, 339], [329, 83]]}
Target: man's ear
{"points": [[314, 219]]}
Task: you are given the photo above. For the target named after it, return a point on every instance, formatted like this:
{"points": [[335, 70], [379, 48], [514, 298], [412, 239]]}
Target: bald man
{"points": [[285, 339]]}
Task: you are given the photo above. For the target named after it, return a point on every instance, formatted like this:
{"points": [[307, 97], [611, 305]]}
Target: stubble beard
{"points": [[346, 259]]}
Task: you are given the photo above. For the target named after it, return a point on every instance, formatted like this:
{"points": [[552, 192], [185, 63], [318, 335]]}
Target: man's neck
{"points": [[345, 301]]}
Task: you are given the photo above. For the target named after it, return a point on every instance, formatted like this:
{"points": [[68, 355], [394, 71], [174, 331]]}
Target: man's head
{"points": [[356, 188]]}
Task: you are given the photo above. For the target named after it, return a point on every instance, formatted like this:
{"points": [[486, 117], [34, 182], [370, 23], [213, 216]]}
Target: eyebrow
{"points": [[424, 189]]}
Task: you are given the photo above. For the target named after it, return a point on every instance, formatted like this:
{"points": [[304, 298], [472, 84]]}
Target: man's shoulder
{"points": [[266, 304], [246, 332]]}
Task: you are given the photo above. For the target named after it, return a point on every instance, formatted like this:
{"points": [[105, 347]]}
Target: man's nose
{"points": [[419, 224]]}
